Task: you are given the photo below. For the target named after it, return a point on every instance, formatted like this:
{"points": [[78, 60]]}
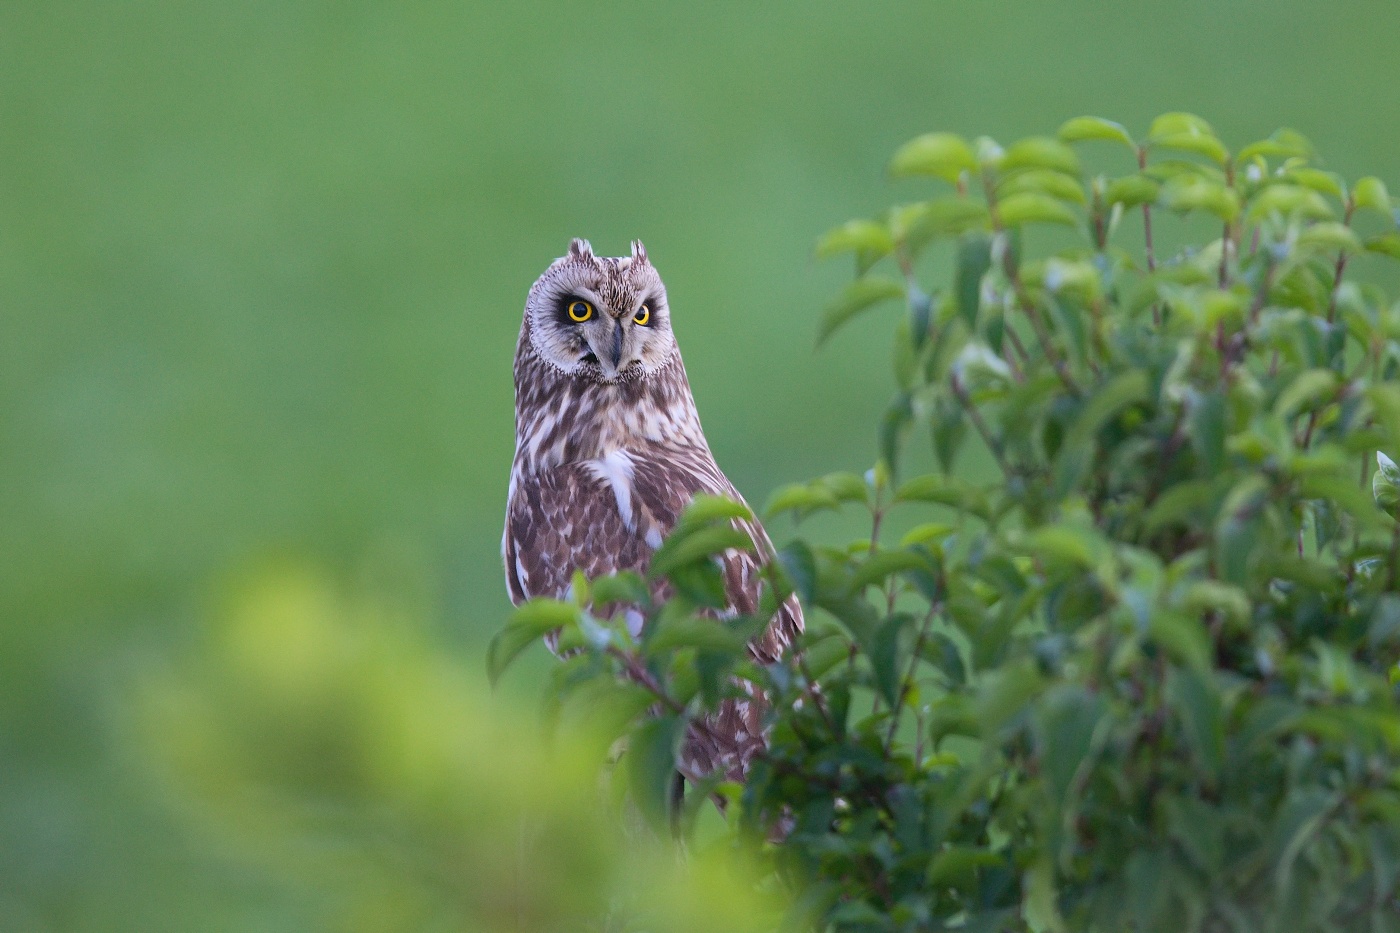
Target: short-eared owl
{"points": [[609, 451]]}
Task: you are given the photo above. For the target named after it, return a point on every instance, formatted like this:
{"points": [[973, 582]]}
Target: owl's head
{"points": [[600, 318]]}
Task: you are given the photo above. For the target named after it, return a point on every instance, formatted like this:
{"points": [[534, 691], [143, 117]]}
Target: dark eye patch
{"points": [[568, 311]]}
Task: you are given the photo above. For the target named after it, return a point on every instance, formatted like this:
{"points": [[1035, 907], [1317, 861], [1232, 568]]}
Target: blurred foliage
{"points": [[324, 742], [1141, 670], [261, 271]]}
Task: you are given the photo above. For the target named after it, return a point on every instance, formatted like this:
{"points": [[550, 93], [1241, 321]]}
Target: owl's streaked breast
{"points": [[566, 418]]}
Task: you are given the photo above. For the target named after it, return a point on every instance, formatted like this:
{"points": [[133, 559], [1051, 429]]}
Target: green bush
{"points": [[1124, 657], [337, 770]]}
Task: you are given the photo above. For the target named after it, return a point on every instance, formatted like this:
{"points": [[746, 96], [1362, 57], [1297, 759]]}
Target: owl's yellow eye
{"points": [[643, 316], [580, 311]]}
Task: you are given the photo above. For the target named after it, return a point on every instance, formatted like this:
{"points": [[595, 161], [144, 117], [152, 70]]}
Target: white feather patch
{"points": [[634, 623], [615, 469]]}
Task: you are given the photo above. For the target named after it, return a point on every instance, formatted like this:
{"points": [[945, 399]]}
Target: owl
{"points": [[608, 452]]}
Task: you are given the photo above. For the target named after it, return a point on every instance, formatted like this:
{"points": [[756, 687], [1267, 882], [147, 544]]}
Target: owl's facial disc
{"points": [[601, 319]]}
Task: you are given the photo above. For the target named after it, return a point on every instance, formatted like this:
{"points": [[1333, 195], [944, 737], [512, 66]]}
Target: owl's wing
{"points": [[603, 516], [565, 519], [664, 484], [665, 479]]}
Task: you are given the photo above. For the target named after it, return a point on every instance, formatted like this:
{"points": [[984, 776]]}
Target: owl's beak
{"points": [[616, 345], [608, 350]]}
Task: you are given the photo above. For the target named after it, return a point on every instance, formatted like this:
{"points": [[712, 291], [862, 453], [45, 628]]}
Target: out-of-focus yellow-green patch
{"points": [[323, 741]]}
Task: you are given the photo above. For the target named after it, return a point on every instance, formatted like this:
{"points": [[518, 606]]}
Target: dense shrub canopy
{"points": [[1125, 656]]}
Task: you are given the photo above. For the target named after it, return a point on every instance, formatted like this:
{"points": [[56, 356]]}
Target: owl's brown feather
{"points": [[605, 466]]}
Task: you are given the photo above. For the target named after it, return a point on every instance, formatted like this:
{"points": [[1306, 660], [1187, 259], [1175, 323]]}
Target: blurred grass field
{"points": [[262, 268]]}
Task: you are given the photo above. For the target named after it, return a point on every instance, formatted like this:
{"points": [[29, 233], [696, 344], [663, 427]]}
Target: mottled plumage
{"points": [[608, 453]]}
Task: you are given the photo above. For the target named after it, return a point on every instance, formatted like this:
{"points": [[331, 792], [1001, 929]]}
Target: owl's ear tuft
{"points": [[639, 253], [580, 249]]}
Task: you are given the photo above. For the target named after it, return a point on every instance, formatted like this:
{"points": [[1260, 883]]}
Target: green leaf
{"points": [[1385, 483], [883, 564], [1076, 451], [974, 259], [940, 155], [1005, 693], [527, 625], [1167, 169], [977, 366], [882, 651], [622, 587], [1199, 829], [1283, 144], [954, 714], [1330, 235], [1197, 703], [800, 564], [1066, 718], [1208, 430], [679, 551], [863, 236], [801, 498], [1040, 152], [1386, 244], [1068, 544], [607, 708], [1385, 406], [1198, 143], [689, 632], [1370, 194], [1041, 900], [1287, 200], [893, 427], [1178, 124], [1344, 494], [1081, 129], [1132, 190], [1306, 390], [944, 490], [1189, 133], [825, 654], [856, 915], [1318, 180], [947, 430], [1061, 276], [1183, 637], [706, 509], [1299, 820], [651, 764], [957, 866], [926, 533], [905, 353], [922, 223], [1146, 889], [846, 487], [1179, 505], [1020, 209], [1071, 285], [1204, 596], [1043, 181], [1184, 193], [857, 297]]}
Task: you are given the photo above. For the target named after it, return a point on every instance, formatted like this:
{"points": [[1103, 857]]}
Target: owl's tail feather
{"points": [[727, 740]]}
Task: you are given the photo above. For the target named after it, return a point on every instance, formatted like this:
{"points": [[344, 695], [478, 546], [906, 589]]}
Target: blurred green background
{"points": [[261, 274]]}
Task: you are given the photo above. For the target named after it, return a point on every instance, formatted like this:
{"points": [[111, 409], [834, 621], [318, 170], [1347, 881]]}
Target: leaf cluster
{"points": [[1126, 657]]}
